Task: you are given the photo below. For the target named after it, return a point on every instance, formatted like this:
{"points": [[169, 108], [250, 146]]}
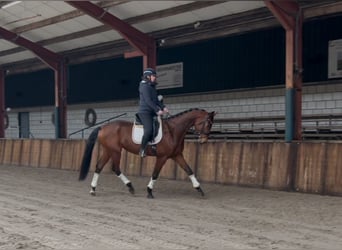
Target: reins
{"points": [[192, 130], [201, 132]]}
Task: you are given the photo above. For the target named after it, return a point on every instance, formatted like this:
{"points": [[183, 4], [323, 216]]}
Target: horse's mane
{"points": [[181, 113]]}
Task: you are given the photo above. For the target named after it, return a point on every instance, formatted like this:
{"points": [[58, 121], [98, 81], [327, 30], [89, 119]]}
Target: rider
{"points": [[149, 106]]}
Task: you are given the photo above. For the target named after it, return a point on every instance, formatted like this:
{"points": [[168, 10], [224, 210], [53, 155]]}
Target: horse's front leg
{"points": [[157, 168], [184, 165]]}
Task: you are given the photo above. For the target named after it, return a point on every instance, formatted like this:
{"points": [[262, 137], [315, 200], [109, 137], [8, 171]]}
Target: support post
{"points": [[61, 78], [2, 103], [290, 15], [55, 62]]}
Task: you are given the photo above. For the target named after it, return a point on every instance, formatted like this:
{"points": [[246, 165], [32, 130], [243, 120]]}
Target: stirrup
{"points": [[154, 149], [142, 153]]}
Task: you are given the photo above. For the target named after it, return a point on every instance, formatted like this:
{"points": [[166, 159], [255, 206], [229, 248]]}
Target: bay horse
{"points": [[116, 135]]}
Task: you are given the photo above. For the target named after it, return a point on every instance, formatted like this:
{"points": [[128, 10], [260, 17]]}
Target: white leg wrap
{"points": [[95, 180], [151, 183], [194, 181], [123, 178]]}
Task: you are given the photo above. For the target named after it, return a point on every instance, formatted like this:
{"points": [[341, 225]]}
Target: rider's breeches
{"points": [[147, 121]]}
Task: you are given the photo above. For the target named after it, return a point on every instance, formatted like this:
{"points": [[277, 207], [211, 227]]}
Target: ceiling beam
{"points": [[328, 9], [108, 4], [63, 17], [45, 55], [218, 27], [172, 11], [103, 28], [137, 39], [311, 11]]}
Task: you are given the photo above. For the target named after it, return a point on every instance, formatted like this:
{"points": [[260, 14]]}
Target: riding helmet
{"points": [[149, 72]]}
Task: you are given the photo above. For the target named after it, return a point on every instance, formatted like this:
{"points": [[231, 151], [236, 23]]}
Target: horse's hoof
{"points": [[130, 188], [199, 189], [149, 193], [92, 191]]}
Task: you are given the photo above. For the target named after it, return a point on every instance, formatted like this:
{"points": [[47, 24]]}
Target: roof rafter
{"points": [[49, 57], [103, 28], [63, 17]]}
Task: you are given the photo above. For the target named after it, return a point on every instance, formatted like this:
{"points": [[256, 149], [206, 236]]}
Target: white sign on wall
{"points": [[335, 59], [170, 75]]}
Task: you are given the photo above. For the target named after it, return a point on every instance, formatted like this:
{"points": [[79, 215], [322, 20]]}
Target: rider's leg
{"points": [[143, 146], [147, 121]]}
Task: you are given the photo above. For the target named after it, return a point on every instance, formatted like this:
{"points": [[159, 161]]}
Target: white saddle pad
{"points": [[138, 132]]}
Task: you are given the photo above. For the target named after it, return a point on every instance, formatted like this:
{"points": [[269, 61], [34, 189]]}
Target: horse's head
{"points": [[203, 125]]}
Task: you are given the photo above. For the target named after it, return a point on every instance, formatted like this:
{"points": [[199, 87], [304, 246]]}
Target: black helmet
{"points": [[149, 72]]}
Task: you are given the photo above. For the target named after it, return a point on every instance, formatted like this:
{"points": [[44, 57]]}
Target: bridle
{"points": [[204, 122]]}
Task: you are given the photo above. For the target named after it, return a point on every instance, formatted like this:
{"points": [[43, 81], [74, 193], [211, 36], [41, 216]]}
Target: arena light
{"points": [[10, 4]]}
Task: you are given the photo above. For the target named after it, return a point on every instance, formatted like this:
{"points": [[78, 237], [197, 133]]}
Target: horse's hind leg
{"points": [[116, 156], [184, 165], [99, 166]]}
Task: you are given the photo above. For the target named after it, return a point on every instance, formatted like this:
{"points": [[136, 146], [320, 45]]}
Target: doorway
{"points": [[24, 124]]}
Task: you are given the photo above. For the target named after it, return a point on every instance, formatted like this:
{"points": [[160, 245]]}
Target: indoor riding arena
{"points": [[258, 85]]}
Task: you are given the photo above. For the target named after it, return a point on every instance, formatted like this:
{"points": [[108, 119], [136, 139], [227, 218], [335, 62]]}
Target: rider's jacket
{"points": [[149, 102]]}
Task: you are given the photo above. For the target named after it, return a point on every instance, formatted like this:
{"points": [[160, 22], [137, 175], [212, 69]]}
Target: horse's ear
{"points": [[213, 113]]}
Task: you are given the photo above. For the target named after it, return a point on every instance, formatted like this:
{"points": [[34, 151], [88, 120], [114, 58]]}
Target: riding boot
{"points": [[143, 146]]}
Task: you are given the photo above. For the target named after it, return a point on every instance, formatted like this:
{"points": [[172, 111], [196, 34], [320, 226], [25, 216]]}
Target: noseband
{"points": [[201, 132]]}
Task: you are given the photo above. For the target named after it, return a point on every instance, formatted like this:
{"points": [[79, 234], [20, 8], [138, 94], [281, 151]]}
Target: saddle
{"points": [[138, 130]]}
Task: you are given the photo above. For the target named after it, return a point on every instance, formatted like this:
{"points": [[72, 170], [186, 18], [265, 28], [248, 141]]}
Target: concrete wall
{"points": [[323, 98]]}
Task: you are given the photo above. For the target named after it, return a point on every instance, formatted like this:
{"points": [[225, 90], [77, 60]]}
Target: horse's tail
{"points": [[88, 153]]}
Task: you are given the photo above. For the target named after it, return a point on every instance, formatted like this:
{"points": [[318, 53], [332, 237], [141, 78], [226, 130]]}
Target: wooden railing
{"points": [[324, 127]]}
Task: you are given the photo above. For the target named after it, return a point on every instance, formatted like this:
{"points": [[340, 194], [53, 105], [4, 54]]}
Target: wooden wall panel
{"points": [[8, 151], [45, 155], [56, 154], [78, 150], [2, 150], [17, 153], [206, 162], [279, 162], [310, 165], [133, 165], [35, 152], [26, 152], [67, 155], [253, 164], [333, 172], [228, 162]]}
